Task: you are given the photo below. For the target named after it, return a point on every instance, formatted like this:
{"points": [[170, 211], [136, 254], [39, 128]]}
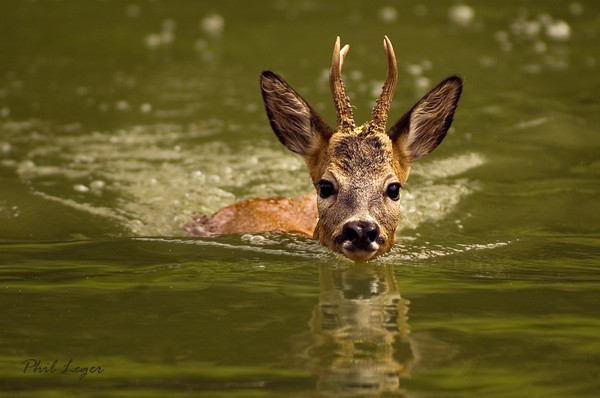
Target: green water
{"points": [[118, 119]]}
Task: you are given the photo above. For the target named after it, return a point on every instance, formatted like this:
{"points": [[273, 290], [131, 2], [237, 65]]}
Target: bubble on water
{"points": [[26, 167], [4, 112], [153, 40], [227, 170], [146, 108], [487, 61], [169, 25], [97, 186], [388, 14], [122, 106], [533, 69], [558, 30], [167, 37], [5, 147], [414, 69], [526, 28], [199, 176], [252, 107], [356, 75], [545, 19], [133, 10], [213, 25], [257, 239], [461, 14], [80, 188], [422, 83], [503, 38], [82, 91], [375, 88]]}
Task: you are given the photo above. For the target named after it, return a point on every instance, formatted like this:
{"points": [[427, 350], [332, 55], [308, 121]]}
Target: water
{"points": [[118, 120]]}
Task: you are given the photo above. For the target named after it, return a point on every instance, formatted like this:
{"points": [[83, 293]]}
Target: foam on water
{"points": [[149, 179]]}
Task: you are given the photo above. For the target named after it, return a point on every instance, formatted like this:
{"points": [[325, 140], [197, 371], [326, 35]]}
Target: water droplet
{"points": [[153, 40], [213, 25], [461, 14], [97, 186], [257, 239], [145, 108], [81, 188], [414, 69], [122, 106], [558, 30], [422, 83], [82, 91], [388, 14], [169, 25], [167, 37]]}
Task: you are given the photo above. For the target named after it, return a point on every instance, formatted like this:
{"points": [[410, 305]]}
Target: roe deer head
{"points": [[358, 172]]}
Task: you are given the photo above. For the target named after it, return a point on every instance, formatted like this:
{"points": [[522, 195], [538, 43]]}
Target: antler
{"points": [[382, 106], [345, 119]]}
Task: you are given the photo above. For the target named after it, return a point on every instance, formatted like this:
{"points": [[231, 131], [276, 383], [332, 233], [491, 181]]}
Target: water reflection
{"points": [[359, 331]]}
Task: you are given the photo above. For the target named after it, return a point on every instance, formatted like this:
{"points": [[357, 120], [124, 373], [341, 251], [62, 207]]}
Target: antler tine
{"points": [[382, 106], [345, 119]]}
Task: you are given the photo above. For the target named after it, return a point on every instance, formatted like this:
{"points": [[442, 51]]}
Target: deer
{"points": [[357, 171]]}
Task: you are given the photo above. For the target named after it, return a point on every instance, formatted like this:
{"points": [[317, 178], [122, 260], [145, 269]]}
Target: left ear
{"points": [[422, 128], [295, 123]]}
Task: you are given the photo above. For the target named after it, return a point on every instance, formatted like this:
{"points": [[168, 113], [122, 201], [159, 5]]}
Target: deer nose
{"points": [[361, 233]]}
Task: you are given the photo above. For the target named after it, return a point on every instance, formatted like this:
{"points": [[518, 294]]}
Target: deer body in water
{"points": [[358, 172]]}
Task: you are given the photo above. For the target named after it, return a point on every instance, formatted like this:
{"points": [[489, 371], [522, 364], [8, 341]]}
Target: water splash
{"points": [[149, 179]]}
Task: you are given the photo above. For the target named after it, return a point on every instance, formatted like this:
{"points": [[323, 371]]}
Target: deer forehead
{"points": [[361, 158]]}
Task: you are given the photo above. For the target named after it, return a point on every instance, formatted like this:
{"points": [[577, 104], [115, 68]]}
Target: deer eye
{"points": [[325, 189], [393, 191]]}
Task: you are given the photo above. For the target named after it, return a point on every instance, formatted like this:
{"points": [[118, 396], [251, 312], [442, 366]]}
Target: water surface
{"points": [[118, 120]]}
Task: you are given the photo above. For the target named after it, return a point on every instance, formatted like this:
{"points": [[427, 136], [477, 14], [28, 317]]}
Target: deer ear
{"points": [[295, 123], [422, 128]]}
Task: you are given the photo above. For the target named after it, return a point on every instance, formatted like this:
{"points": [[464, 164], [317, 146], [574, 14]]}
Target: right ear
{"points": [[295, 123]]}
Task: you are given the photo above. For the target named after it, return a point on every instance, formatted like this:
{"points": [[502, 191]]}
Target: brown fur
{"points": [[268, 214], [360, 163]]}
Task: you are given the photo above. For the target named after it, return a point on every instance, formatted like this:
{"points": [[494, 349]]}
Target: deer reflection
{"points": [[359, 331]]}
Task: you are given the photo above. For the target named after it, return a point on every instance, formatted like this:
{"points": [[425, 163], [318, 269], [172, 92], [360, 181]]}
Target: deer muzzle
{"points": [[360, 240]]}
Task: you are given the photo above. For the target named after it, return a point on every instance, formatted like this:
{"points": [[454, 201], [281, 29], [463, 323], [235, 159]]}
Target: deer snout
{"points": [[360, 232], [359, 240]]}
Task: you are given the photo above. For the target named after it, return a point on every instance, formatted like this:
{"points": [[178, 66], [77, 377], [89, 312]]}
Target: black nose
{"points": [[360, 233]]}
